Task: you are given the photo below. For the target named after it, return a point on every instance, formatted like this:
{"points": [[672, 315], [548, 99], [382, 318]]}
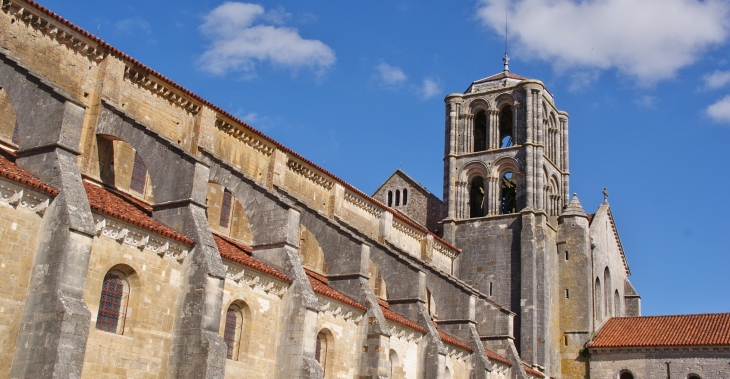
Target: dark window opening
{"points": [[490, 288], [139, 174], [508, 194], [397, 198], [567, 293], [226, 208], [390, 198], [476, 197], [405, 196], [506, 127], [320, 351], [693, 376], [566, 255], [16, 136], [230, 334], [480, 131], [626, 375], [565, 340]]}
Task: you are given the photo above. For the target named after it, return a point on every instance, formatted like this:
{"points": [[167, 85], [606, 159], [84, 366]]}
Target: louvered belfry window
{"points": [[139, 174], [226, 208], [110, 305], [231, 333]]}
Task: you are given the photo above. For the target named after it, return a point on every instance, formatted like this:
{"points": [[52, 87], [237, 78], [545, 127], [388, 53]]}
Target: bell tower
{"points": [[505, 184]]}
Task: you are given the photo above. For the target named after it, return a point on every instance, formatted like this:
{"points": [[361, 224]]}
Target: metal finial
{"points": [[505, 59], [605, 195]]}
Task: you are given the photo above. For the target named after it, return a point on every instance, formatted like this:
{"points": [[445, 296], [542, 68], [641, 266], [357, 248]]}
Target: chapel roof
{"points": [[661, 331], [239, 253], [10, 170]]}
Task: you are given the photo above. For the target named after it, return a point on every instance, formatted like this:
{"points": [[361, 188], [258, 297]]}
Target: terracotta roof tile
{"points": [[682, 330], [532, 371], [219, 110], [241, 254], [130, 210], [320, 285], [451, 340], [10, 170], [496, 357], [397, 318]]}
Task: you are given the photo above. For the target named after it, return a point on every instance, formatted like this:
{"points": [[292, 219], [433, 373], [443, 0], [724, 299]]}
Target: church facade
{"points": [[148, 233]]}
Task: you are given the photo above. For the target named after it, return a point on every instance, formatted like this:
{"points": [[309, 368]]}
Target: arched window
{"points": [[397, 198], [396, 371], [626, 374], [390, 198], [616, 304], [693, 376], [447, 373], [113, 303], [405, 196], [598, 298], [607, 311], [226, 207], [139, 174], [506, 127], [480, 131], [476, 197], [233, 330], [320, 351], [508, 194]]}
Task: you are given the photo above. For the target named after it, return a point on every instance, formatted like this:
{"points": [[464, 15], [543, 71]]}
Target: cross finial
{"points": [[605, 195], [505, 59]]}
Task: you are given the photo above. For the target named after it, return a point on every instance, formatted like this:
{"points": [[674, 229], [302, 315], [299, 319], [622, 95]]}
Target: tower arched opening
{"points": [[508, 193], [480, 131], [476, 197], [506, 127]]}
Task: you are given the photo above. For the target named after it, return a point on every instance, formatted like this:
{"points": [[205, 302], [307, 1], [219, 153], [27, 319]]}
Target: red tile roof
{"points": [[128, 209], [682, 330], [241, 254], [10, 170], [320, 285], [219, 110], [532, 371], [496, 357], [397, 318], [445, 338]]}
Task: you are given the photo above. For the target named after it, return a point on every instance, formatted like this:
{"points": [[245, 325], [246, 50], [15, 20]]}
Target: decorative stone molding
{"points": [[340, 311], [456, 353], [253, 279], [139, 238], [401, 333], [443, 249], [310, 174], [248, 138], [359, 202], [407, 230], [161, 89], [56, 30], [17, 196]]}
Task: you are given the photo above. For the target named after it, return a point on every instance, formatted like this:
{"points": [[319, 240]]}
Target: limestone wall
{"points": [[657, 363]]}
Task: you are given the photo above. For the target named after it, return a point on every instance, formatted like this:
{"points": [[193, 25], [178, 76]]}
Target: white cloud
{"points": [[430, 88], [720, 111], [649, 39], [582, 79], [647, 101], [133, 26], [717, 79], [238, 43], [390, 76]]}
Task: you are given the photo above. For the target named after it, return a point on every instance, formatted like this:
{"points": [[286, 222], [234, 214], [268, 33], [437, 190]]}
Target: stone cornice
{"points": [[339, 310], [161, 89], [304, 170], [255, 280], [140, 238], [363, 204], [18, 196]]}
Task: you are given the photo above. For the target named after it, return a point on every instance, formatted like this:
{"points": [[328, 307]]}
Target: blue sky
{"points": [[358, 87]]}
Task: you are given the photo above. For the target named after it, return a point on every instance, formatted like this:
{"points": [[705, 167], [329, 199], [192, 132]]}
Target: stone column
{"points": [[494, 141], [55, 324], [299, 315]]}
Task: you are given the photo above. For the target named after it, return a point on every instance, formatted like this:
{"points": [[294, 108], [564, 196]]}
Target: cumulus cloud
{"points": [[133, 26], [649, 40], [720, 110], [390, 76], [239, 41], [717, 79], [430, 88]]}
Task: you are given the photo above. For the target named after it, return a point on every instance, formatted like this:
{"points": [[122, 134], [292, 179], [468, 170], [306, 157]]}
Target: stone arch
{"points": [[472, 169], [324, 352], [268, 216], [505, 164], [617, 304], [598, 299], [396, 367], [226, 215], [607, 308], [128, 315], [170, 182], [310, 251], [477, 105]]}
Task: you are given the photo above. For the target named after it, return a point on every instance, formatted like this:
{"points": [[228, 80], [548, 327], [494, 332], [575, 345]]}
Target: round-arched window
{"points": [[626, 374]]}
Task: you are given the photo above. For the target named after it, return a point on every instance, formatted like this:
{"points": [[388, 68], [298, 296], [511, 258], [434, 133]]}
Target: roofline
{"points": [[413, 181], [139, 65]]}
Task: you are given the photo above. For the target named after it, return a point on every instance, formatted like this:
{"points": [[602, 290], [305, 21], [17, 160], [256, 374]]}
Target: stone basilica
{"points": [[147, 233]]}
